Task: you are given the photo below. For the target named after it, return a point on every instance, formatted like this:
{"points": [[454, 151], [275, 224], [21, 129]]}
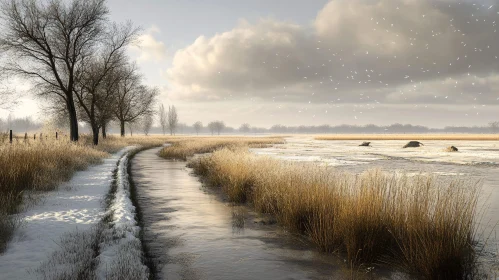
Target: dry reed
{"points": [[420, 137], [183, 148], [40, 165], [419, 224]]}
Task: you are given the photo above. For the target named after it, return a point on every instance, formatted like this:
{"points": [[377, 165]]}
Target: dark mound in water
{"points": [[451, 149], [413, 144], [365, 144]]}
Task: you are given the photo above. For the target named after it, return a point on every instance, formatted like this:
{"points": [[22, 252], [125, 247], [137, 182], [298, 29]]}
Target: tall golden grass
{"points": [[185, 147], [415, 223], [428, 137], [40, 165]]}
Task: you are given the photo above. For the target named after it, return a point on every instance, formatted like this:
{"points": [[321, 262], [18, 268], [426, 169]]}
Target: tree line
{"points": [[168, 123], [76, 59]]}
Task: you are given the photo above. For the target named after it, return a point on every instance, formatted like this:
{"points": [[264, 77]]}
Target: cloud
{"points": [[148, 48], [356, 51]]}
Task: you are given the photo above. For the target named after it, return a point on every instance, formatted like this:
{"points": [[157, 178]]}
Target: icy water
{"points": [[193, 234], [475, 161]]}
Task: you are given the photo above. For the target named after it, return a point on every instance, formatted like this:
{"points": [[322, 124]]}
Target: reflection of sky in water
{"points": [[475, 161]]}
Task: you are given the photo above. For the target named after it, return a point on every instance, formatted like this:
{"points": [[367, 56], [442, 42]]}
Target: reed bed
{"points": [[428, 137], [183, 148], [418, 224], [28, 166]]}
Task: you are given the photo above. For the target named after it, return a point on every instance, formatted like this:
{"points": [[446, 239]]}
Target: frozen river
{"points": [[476, 160]]}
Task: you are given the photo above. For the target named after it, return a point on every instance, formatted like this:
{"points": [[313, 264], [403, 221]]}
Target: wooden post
{"points": [[56, 135], [25, 137], [10, 136], [34, 136], [41, 136]]}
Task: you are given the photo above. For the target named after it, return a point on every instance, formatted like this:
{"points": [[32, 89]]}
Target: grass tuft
{"points": [[420, 224], [183, 148]]}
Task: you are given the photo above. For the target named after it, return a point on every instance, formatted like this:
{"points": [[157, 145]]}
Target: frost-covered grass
{"points": [[414, 223], [111, 249], [34, 165], [183, 148], [409, 137]]}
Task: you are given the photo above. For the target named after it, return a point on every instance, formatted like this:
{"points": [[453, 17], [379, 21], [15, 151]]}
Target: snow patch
{"points": [[120, 248], [75, 207]]}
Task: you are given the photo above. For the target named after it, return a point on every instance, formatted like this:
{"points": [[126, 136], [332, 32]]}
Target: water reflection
{"points": [[193, 234]]}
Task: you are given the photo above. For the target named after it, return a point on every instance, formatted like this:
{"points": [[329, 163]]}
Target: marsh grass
{"points": [[40, 165], [419, 224], [183, 148], [420, 137]]}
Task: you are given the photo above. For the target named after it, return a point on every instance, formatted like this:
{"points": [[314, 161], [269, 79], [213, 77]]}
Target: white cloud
{"points": [[355, 49], [148, 48]]}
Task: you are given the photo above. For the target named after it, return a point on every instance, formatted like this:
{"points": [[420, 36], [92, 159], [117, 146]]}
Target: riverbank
{"points": [[395, 219]]}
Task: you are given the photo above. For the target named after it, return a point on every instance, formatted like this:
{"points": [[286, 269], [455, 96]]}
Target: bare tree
{"points": [[147, 123], [91, 90], [172, 119], [133, 100], [8, 96], [212, 127], [47, 43], [163, 118], [106, 109], [131, 127], [216, 126], [219, 126], [198, 126], [245, 128]]}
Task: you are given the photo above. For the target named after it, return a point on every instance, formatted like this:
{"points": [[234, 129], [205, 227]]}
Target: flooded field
{"points": [[192, 233], [476, 161]]}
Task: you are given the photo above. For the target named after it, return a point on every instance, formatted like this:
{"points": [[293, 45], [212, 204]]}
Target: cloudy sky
{"points": [[294, 62]]}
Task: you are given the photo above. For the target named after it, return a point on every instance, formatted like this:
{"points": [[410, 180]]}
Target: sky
{"points": [[291, 62]]}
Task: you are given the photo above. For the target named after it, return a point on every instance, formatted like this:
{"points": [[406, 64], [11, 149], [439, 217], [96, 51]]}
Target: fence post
{"points": [[56, 135], [10, 136], [25, 136], [34, 136]]}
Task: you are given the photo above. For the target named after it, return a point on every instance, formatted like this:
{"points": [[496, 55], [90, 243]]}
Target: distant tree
{"points": [[147, 123], [245, 128], [212, 127], [163, 118], [198, 126], [172, 119], [133, 126], [181, 127], [494, 127], [217, 126]]}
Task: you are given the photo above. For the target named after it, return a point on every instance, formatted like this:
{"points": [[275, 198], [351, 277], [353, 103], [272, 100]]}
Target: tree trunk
{"points": [[104, 133], [73, 120], [122, 125], [95, 132]]}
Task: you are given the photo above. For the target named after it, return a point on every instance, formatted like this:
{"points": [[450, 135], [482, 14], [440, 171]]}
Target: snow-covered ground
{"points": [[76, 207], [120, 248]]}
